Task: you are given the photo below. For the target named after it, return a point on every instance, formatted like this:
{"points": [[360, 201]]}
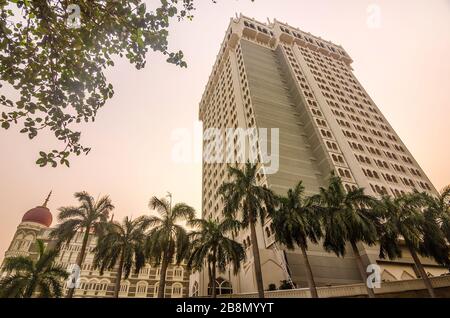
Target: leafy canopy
{"points": [[211, 242], [167, 239], [91, 214], [294, 220], [401, 217], [346, 216], [58, 70], [26, 277], [121, 240], [244, 199]]}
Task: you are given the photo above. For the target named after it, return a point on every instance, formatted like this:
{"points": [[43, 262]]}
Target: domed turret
{"points": [[40, 214]]}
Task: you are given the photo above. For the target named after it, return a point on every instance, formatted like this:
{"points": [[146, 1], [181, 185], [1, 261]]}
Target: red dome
{"points": [[39, 215]]}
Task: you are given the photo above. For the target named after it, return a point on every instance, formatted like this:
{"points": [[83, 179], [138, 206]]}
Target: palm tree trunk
{"points": [[209, 277], [256, 258], [80, 258], [213, 279], [362, 272], [30, 288], [422, 272], [162, 277], [309, 274], [119, 276]]}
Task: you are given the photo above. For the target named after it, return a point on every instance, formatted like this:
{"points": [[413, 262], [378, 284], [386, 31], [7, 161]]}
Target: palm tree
{"points": [[167, 239], [27, 277], [252, 201], [346, 218], [90, 216], [212, 245], [123, 243], [295, 223], [402, 218], [437, 227]]}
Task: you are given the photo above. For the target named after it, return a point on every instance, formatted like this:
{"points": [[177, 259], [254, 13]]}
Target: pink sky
{"points": [[404, 65]]}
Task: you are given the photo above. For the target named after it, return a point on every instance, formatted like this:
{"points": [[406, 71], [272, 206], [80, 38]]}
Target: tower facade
{"points": [[274, 76]]}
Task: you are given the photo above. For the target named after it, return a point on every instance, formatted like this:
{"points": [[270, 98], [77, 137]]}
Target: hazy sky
{"points": [[404, 65]]}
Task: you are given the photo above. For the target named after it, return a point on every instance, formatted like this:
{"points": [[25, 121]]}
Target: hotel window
{"points": [[141, 288], [177, 290], [178, 273], [124, 287], [104, 285]]}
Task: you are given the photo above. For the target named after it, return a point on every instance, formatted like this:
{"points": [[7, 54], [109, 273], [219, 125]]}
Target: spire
{"points": [[46, 200]]}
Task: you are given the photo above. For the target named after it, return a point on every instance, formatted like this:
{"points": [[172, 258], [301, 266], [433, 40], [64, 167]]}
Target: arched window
{"points": [[155, 290], [141, 289], [83, 284], [17, 242], [104, 283], [26, 242], [92, 286], [178, 272], [223, 287], [124, 286], [177, 290], [145, 271]]}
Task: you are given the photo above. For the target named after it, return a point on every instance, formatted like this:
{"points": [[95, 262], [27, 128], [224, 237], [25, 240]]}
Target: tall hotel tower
{"points": [[276, 76]]}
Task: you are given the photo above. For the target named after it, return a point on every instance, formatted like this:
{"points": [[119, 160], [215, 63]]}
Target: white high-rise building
{"points": [[272, 75]]}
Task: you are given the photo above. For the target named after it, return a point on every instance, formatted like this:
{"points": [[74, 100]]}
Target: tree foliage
{"points": [[90, 215], [122, 244], [167, 240], [247, 201], [58, 70], [294, 221], [125, 240], [346, 216], [26, 278], [211, 244]]}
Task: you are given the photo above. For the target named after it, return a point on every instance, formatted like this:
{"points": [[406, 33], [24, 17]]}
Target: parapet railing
{"points": [[353, 290]]}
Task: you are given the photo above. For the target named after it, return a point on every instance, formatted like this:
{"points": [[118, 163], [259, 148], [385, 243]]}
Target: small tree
{"points": [[91, 215], [167, 239], [436, 228], [26, 277], [211, 245], [295, 223], [346, 218], [403, 221], [247, 201], [123, 243]]}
